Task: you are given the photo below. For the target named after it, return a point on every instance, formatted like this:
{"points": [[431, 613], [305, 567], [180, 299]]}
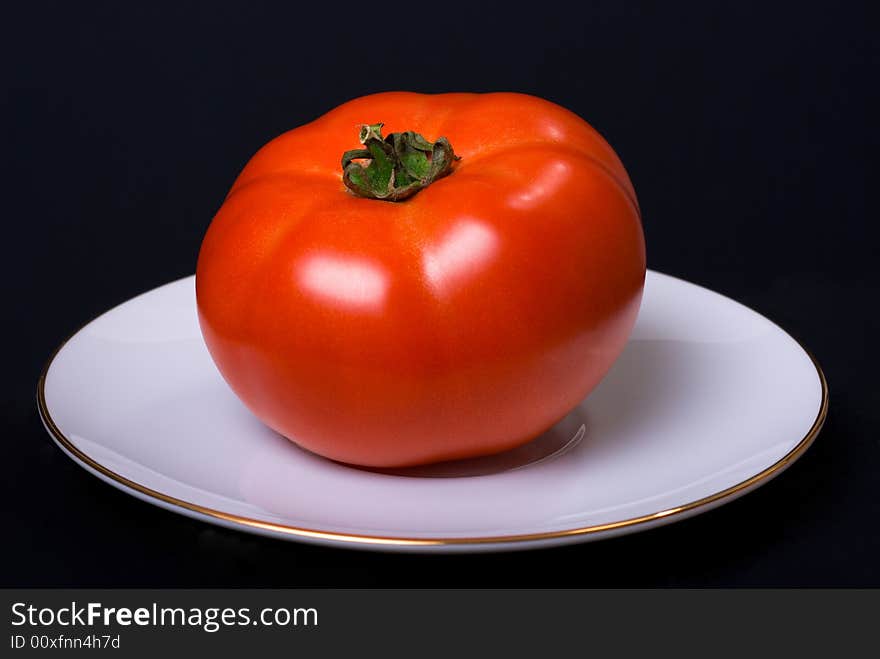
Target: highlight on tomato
{"points": [[417, 278]]}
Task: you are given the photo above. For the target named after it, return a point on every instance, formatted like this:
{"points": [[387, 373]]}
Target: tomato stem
{"points": [[400, 164]]}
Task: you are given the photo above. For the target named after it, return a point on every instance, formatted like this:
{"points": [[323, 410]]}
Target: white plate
{"points": [[708, 401]]}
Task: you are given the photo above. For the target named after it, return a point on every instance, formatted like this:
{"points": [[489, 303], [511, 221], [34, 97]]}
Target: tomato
{"points": [[461, 321]]}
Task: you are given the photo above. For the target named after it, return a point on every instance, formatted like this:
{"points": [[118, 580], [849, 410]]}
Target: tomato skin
{"points": [[462, 322]]}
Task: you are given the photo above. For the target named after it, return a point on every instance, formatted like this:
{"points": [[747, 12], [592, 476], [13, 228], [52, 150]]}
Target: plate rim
{"points": [[400, 542]]}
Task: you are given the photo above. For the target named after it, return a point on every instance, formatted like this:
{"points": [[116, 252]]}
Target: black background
{"points": [[748, 130]]}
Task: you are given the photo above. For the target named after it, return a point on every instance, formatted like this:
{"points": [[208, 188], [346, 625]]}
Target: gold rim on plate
{"points": [[358, 539]]}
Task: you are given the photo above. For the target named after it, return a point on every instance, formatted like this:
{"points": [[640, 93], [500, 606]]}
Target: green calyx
{"points": [[400, 164]]}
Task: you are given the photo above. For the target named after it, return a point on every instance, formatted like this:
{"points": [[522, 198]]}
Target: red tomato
{"points": [[463, 321]]}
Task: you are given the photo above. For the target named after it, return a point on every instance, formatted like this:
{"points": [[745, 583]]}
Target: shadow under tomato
{"points": [[560, 439]]}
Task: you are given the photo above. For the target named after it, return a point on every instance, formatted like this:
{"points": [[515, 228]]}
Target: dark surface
{"points": [[747, 132]]}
